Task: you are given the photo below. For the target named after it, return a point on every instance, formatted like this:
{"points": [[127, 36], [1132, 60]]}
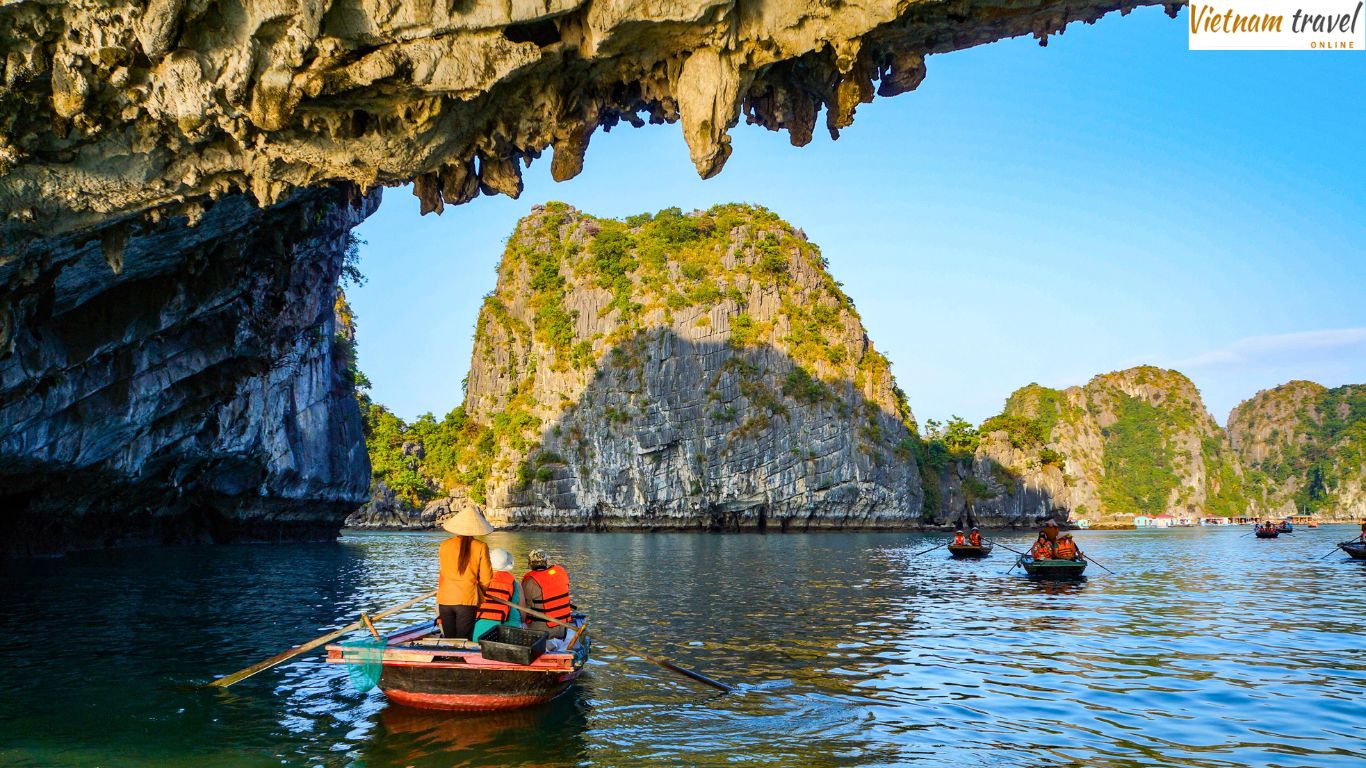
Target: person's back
{"points": [[503, 586], [463, 571], [546, 589]]}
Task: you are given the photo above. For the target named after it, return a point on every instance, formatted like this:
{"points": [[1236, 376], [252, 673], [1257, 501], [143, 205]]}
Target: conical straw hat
{"points": [[467, 522]]}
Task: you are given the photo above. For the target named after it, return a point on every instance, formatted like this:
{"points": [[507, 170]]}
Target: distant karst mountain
{"points": [[1132, 442], [1305, 447]]}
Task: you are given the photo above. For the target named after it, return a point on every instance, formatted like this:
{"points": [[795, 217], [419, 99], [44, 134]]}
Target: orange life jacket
{"points": [[1067, 549], [554, 599], [958, 539], [501, 586], [1041, 551], [975, 539]]}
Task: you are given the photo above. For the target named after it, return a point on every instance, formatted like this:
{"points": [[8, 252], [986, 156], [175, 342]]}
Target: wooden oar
{"points": [[665, 663], [1089, 559], [931, 549], [1338, 546], [1002, 546], [240, 675]]}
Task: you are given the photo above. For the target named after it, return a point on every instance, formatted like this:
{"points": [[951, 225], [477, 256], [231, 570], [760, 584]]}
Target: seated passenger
{"points": [[958, 540], [975, 538], [505, 586], [1067, 548], [546, 589], [1042, 549]]}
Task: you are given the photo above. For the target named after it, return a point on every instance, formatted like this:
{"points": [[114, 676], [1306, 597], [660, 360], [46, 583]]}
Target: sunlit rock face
{"points": [[1305, 448], [113, 107], [175, 383], [1128, 443], [697, 371]]}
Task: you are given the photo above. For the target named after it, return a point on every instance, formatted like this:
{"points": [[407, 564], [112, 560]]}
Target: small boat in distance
{"points": [[1263, 533], [422, 669], [1057, 570], [1312, 524], [1285, 527], [970, 552]]}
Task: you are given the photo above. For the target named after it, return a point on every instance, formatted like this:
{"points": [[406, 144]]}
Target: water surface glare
{"points": [[1205, 648]]}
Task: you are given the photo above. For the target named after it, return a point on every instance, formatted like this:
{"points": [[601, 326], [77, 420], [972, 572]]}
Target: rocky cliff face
{"points": [[180, 384], [679, 371], [1305, 447], [116, 108], [1134, 442]]}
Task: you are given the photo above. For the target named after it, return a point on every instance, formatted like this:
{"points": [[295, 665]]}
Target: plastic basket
{"points": [[512, 645]]}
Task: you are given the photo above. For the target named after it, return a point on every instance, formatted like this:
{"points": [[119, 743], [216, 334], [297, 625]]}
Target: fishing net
{"points": [[364, 661]]}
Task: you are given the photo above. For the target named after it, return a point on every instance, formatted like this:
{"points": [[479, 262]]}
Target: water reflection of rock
{"points": [[419, 737]]}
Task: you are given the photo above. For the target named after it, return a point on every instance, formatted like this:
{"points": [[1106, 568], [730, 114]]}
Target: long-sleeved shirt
{"points": [[456, 587]]}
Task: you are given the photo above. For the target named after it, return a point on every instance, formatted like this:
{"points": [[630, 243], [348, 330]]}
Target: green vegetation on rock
{"points": [[1138, 476]]}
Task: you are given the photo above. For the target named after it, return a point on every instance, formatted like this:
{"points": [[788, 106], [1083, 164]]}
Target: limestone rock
{"points": [[682, 371], [181, 384], [1133, 442], [1305, 448], [112, 108]]}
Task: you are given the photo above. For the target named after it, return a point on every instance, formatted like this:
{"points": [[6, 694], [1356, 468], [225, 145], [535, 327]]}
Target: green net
{"points": [[364, 661]]}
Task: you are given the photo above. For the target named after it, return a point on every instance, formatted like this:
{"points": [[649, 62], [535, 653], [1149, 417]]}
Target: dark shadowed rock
{"points": [[181, 384]]}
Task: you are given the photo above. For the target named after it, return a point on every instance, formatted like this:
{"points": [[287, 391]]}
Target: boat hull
{"points": [[969, 552], [1268, 534], [1054, 569], [450, 687], [1354, 551], [420, 669]]}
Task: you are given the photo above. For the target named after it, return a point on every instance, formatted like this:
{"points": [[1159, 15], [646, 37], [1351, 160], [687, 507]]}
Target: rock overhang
{"points": [[113, 108]]}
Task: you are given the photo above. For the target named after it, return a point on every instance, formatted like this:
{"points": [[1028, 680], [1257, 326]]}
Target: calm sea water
{"points": [[1206, 648]]}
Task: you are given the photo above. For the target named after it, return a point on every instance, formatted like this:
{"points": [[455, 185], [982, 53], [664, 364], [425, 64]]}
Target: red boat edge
{"points": [[418, 671]]}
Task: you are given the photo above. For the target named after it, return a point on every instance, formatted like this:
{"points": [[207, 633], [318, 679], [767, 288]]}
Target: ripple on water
{"points": [[1206, 648]]}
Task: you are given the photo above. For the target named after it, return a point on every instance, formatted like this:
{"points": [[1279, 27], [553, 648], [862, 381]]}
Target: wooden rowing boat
{"points": [[1261, 534], [1355, 549], [1285, 528], [1053, 569], [969, 551], [421, 669]]}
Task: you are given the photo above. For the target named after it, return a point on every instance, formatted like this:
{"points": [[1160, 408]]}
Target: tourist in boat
{"points": [[1050, 531], [504, 585], [958, 539], [1042, 549], [546, 589], [465, 571], [1067, 549], [975, 538], [1362, 537]]}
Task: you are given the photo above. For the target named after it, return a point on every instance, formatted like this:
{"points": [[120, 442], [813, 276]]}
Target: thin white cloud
{"points": [[1283, 347]]}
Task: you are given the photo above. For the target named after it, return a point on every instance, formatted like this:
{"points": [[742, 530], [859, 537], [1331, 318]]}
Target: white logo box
{"points": [[1277, 25]]}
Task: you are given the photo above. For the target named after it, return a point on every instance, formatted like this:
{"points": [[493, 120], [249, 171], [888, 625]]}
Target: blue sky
{"points": [[1028, 214]]}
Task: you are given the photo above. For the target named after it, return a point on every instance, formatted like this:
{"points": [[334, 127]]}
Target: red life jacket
{"points": [[975, 539], [501, 586], [958, 540], [1042, 551], [554, 599]]}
